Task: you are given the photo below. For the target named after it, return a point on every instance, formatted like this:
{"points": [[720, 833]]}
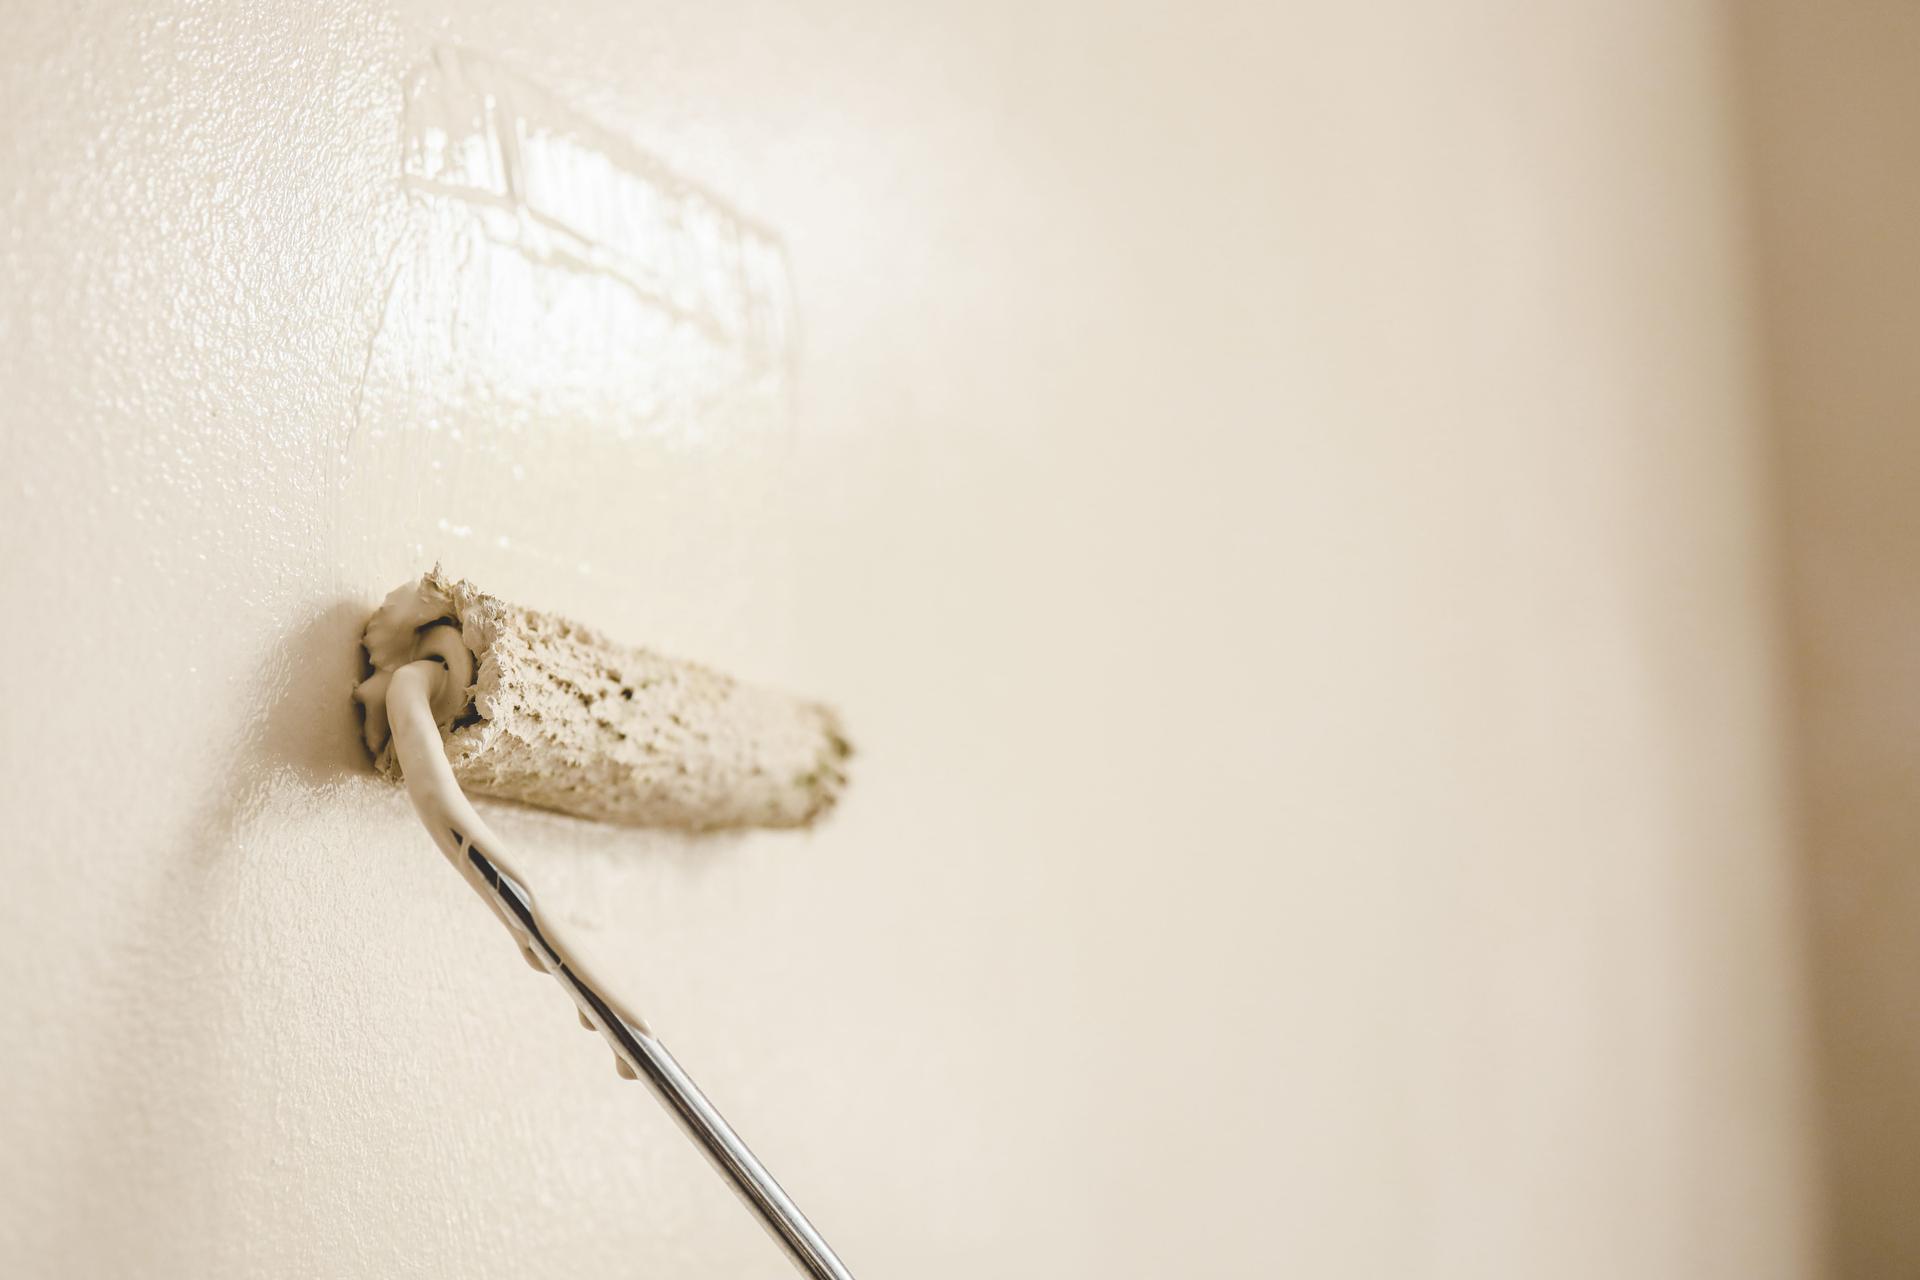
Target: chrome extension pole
{"points": [[641, 1055]]}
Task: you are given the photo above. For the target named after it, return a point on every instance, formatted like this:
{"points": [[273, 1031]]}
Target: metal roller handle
{"points": [[474, 852]]}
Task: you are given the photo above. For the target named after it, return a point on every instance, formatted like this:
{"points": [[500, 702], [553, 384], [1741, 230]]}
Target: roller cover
{"points": [[561, 717]]}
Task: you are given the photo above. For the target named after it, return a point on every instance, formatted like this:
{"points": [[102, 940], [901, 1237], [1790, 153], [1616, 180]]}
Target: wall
{"points": [[1273, 490], [1835, 132]]}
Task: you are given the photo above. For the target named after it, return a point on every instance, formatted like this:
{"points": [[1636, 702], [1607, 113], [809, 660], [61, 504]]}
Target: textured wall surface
{"points": [[1271, 488]]}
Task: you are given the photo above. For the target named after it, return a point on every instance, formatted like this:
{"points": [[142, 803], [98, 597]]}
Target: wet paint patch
{"points": [[561, 299], [569, 193]]}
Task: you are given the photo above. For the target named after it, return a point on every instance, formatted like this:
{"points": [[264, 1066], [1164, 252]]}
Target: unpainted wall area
{"points": [[1271, 489], [1834, 107]]}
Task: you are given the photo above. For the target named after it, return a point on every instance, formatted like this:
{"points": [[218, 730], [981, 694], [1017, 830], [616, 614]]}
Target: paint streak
{"points": [[560, 298], [566, 192]]}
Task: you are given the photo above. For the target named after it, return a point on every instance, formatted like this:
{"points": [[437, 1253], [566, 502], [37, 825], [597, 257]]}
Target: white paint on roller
{"points": [[550, 713]]}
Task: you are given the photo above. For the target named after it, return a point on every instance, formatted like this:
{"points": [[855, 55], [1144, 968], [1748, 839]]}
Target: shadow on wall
{"points": [[180, 995], [311, 725], [1833, 106]]}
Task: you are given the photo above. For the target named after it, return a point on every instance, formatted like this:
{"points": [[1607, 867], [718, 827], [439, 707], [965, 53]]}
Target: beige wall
{"points": [[1835, 104], [1274, 489]]}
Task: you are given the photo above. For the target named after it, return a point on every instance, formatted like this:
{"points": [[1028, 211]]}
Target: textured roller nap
{"points": [[561, 717]]}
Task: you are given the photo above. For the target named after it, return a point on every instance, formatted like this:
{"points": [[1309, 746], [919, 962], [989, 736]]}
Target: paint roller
{"points": [[469, 693]]}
